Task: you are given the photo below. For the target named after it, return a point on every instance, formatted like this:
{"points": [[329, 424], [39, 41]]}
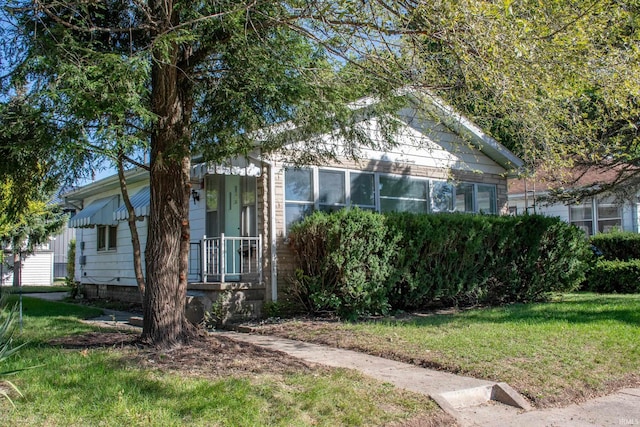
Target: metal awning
{"points": [[238, 166], [140, 202], [98, 212]]}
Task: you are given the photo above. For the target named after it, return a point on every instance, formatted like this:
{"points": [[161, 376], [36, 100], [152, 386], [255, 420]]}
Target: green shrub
{"points": [[468, 259], [355, 262], [619, 245], [622, 277], [71, 269], [343, 262]]}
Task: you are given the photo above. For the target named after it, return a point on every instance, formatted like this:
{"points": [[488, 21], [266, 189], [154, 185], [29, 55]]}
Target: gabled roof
{"points": [[467, 129], [579, 177]]}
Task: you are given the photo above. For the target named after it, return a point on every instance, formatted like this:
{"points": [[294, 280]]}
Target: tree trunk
{"points": [[167, 250], [131, 220], [17, 268]]}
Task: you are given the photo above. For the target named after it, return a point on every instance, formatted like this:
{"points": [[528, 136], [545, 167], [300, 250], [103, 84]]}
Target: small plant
{"points": [[7, 350], [71, 269]]}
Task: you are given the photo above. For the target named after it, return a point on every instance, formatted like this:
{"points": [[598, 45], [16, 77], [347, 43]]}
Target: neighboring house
{"points": [[41, 268], [241, 211], [599, 214]]}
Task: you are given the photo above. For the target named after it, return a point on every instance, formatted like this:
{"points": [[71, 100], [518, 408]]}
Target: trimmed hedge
{"points": [[622, 277], [463, 259], [357, 263], [343, 262], [618, 245]]}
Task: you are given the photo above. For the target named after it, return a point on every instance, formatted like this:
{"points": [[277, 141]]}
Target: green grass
{"points": [[575, 347], [35, 289], [107, 387]]}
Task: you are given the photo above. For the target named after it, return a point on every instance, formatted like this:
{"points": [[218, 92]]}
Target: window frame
{"points": [[430, 183], [595, 221], [106, 238]]}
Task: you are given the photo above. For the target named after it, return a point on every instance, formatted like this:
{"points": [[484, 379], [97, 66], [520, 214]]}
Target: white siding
{"points": [[114, 266], [37, 269], [420, 142]]}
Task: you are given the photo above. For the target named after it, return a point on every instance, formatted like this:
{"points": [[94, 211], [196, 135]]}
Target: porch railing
{"points": [[229, 258]]}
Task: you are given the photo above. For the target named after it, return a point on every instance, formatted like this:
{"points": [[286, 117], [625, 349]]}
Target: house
{"points": [[242, 209], [46, 264], [597, 214]]}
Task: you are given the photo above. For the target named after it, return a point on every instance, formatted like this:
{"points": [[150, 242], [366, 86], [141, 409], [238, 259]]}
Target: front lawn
{"points": [[87, 376], [576, 347]]}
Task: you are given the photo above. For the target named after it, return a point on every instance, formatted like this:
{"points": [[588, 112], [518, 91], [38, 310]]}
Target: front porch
{"points": [[226, 259]]}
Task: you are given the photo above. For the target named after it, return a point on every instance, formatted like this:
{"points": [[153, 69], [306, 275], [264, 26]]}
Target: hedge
{"points": [[356, 263], [343, 262], [619, 245], [622, 277]]}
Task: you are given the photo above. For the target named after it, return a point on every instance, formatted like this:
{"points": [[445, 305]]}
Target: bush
{"points": [[355, 262], [469, 259], [622, 277], [343, 262], [618, 245]]}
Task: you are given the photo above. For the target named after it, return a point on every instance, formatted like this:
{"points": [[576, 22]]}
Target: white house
{"points": [[47, 263], [599, 214], [242, 209]]}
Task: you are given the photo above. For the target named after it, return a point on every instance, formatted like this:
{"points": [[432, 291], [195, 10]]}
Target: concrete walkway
{"points": [[471, 401]]}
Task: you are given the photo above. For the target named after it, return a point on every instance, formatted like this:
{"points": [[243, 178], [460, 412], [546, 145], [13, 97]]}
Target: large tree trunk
{"points": [[167, 250]]}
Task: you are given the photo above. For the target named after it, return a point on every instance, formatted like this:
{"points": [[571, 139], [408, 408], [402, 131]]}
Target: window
{"points": [[363, 190], [298, 190], [331, 190], [582, 217], [403, 194], [486, 199], [441, 196], [307, 189], [609, 217], [601, 216], [107, 237], [465, 197]]}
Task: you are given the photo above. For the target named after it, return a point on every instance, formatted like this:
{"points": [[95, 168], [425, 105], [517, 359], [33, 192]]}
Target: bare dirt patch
{"points": [[208, 356]]}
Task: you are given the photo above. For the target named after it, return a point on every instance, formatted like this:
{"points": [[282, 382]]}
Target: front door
{"points": [[231, 209]]}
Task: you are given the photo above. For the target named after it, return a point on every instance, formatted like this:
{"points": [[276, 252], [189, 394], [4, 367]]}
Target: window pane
{"points": [[487, 199], [248, 190], [580, 212], [296, 212], [102, 237], [464, 198], [609, 225], [362, 189], [113, 237], [441, 196], [212, 190], [399, 205], [585, 226], [608, 211], [298, 185], [392, 186], [331, 187]]}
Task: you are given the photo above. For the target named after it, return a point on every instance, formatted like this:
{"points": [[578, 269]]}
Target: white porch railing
{"points": [[230, 259]]}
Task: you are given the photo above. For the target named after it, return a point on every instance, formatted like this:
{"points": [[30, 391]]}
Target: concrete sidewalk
{"points": [[471, 401]]}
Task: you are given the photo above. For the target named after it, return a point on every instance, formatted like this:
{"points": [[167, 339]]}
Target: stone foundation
{"points": [[228, 302]]}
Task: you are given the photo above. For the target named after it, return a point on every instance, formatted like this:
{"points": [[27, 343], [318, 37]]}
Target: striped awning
{"points": [[238, 166], [98, 212], [140, 202]]}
